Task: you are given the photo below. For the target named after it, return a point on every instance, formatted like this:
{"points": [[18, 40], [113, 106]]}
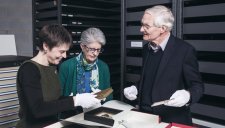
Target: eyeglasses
{"points": [[146, 26], [100, 50]]}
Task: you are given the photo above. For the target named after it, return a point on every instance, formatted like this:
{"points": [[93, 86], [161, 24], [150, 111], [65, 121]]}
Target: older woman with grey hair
{"points": [[86, 73]]}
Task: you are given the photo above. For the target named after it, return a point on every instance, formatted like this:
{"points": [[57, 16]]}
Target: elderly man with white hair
{"points": [[170, 70]]}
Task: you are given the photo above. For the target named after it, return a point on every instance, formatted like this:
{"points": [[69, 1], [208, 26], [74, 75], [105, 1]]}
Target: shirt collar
{"points": [[164, 42]]}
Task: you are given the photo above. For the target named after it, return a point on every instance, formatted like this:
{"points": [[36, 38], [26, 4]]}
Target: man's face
{"points": [[150, 32]]}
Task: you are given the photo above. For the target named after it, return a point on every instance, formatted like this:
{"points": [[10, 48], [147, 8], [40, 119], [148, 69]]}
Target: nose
{"points": [[95, 52], [64, 55], [141, 29]]}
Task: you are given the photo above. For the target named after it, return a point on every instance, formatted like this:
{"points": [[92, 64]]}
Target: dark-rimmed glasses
{"points": [[99, 50]]}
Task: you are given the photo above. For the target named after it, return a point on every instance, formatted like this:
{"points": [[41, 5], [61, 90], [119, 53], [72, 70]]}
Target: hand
{"points": [[92, 107], [85, 100], [130, 92], [96, 91], [179, 98], [71, 94]]}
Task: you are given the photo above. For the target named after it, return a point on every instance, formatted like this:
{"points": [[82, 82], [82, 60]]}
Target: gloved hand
{"points": [[85, 100], [71, 94], [130, 92], [96, 91], [92, 107], [179, 98]]}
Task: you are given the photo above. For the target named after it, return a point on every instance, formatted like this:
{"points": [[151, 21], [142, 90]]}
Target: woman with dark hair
{"points": [[38, 83]]}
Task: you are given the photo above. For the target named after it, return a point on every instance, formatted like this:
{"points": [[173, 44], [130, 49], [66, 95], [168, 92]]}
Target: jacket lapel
{"points": [[169, 49]]}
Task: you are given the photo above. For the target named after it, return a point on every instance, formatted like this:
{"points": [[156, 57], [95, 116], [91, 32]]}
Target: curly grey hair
{"points": [[93, 35]]}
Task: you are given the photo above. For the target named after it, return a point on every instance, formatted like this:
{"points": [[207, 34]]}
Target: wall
{"points": [[16, 18]]}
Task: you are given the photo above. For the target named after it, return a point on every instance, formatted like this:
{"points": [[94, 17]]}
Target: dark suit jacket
{"points": [[178, 70]]}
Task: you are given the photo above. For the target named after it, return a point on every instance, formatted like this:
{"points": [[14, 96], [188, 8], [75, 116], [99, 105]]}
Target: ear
{"points": [[45, 47], [163, 29], [82, 47]]}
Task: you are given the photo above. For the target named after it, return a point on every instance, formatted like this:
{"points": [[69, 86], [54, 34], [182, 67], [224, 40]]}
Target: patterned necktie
{"points": [[154, 47]]}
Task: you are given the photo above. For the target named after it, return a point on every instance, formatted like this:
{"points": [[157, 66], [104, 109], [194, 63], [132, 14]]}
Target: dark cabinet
{"points": [[202, 30], [9, 104], [78, 15]]}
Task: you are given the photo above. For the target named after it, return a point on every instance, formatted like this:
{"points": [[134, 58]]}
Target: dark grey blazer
{"points": [[178, 69]]}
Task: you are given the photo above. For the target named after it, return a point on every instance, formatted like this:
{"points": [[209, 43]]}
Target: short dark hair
{"points": [[53, 35]]}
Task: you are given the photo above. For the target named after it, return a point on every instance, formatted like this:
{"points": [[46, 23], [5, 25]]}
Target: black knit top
{"points": [[39, 95]]}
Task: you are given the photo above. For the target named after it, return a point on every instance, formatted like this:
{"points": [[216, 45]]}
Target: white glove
{"points": [[179, 98], [71, 94], [95, 90], [85, 100], [130, 92], [92, 107]]}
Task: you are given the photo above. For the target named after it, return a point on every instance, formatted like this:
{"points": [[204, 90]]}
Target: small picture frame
{"points": [[102, 115]]}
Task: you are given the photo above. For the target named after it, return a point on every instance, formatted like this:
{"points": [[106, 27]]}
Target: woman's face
{"points": [[91, 51], [55, 55]]}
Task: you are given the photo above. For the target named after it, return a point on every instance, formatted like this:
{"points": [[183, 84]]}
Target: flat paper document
{"points": [[133, 119], [159, 103], [118, 105]]}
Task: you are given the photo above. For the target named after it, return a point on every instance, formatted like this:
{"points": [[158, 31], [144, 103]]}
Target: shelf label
{"points": [[70, 15], [136, 44]]}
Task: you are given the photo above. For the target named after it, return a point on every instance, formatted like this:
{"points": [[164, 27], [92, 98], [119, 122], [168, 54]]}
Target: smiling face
{"points": [[55, 55], [91, 51], [150, 32]]}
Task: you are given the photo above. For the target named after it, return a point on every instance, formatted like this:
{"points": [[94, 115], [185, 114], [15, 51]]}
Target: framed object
{"points": [[102, 115]]}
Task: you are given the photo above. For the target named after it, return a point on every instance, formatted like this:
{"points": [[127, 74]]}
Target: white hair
{"points": [[91, 35], [162, 16]]}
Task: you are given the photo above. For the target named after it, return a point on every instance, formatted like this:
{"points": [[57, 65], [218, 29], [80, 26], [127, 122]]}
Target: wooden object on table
{"points": [[104, 93]]}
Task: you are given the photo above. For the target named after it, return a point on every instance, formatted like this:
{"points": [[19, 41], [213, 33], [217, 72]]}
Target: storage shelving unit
{"points": [[9, 104], [133, 11], [203, 30], [79, 15]]}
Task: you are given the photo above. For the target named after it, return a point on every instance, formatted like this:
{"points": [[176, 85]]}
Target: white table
{"points": [[124, 119]]}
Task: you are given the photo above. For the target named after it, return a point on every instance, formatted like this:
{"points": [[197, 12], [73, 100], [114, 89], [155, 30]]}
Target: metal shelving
{"points": [[133, 11], [79, 15], [9, 104], [203, 30]]}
